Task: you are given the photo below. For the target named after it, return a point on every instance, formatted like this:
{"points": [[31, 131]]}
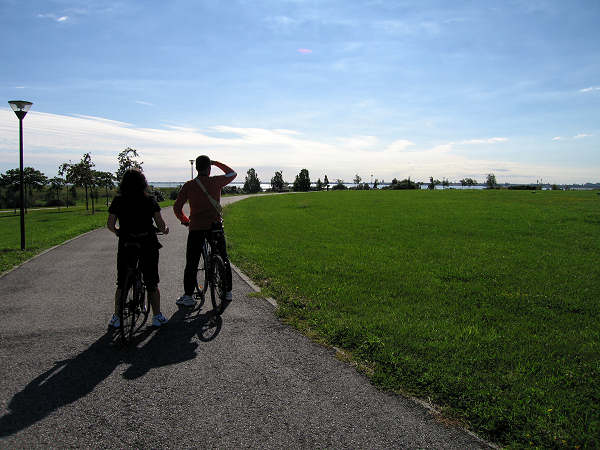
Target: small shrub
{"points": [[55, 202], [174, 193], [231, 190]]}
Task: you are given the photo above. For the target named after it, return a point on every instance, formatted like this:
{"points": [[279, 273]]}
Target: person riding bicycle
{"points": [[203, 194], [136, 210]]}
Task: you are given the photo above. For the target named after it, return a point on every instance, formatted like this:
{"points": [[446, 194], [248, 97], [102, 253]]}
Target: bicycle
{"points": [[212, 273], [134, 304]]}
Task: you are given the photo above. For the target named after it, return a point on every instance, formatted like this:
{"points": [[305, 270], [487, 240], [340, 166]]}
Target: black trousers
{"points": [[193, 251]]}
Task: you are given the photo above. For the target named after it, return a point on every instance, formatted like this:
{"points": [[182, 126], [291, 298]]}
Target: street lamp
{"points": [[20, 108], [192, 164]]}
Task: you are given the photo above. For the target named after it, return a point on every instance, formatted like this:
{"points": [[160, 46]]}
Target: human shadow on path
{"points": [[69, 380], [65, 382], [174, 342]]}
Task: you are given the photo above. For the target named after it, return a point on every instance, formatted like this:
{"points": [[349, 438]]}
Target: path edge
{"points": [[43, 252]]}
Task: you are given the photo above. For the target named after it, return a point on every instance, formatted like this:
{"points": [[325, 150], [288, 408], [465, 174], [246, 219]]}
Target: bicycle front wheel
{"points": [[202, 277], [218, 285]]}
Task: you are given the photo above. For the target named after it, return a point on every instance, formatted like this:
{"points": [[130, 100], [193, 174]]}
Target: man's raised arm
{"points": [[178, 206], [229, 172]]}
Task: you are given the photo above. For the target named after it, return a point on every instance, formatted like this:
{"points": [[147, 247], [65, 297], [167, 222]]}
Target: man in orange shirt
{"points": [[204, 218]]}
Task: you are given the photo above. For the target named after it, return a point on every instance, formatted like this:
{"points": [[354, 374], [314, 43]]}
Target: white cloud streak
{"points": [[590, 89], [50, 139], [493, 140]]}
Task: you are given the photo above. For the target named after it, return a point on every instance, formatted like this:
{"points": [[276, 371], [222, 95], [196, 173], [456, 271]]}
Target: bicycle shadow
{"points": [[71, 379], [65, 382], [174, 343]]}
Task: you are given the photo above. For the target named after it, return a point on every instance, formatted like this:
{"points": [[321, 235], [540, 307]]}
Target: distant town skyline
{"points": [[393, 89]]}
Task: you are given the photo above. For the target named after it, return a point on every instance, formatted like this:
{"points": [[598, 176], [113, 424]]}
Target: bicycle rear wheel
{"points": [[144, 305], [218, 285], [130, 305]]}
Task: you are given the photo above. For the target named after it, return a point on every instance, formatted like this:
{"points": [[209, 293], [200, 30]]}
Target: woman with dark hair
{"points": [[136, 212]]}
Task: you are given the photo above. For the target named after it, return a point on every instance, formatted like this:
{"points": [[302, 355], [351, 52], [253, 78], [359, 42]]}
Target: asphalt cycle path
{"points": [[245, 380]]}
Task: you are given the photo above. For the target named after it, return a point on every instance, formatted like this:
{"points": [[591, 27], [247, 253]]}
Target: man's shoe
{"points": [[159, 320], [228, 296], [186, 300], [114, 321]]}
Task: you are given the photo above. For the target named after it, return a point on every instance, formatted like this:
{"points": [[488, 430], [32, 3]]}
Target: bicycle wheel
{"points": [[143, 302], [127, 308], [217, 287], [202, 275]]}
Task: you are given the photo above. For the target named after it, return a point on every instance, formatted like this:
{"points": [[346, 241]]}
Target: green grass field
{"points": [[487, 302]]}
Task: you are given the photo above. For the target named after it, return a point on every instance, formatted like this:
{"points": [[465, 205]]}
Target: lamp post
{"points": [[192, 168], [20, 108]]}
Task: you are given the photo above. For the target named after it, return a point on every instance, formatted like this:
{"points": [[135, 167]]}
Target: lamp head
{"points": [[20, 107]]}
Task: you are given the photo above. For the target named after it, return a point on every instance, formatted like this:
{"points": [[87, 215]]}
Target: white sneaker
{"points": [[228, 296], [114, 321], [186, 300], [159, 320]]}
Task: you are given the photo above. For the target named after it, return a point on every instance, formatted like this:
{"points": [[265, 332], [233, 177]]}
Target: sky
{"points": [[382, 89]]}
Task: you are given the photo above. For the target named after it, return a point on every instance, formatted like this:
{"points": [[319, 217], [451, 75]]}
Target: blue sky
{"points": [[389, 88]]}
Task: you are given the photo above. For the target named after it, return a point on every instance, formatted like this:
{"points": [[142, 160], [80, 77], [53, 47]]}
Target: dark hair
{"points": [[133, 183], [202, 163]]}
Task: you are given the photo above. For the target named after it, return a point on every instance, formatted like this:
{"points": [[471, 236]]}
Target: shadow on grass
{"points": [[69, 380]]}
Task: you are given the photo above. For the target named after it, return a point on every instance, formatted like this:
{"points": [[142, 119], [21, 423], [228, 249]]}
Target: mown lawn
{"points": [[487, 302]]}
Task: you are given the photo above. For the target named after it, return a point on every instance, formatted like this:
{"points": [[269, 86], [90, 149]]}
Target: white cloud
{"points": [[360, 142], [590, 89], [50, 139], [400, 145], [493, 140], [54, 17], [581, 135], [557, 138], [140, 102]]}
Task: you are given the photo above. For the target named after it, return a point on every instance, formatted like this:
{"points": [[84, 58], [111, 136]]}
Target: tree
{"points": [[252, 183], [319, 185], [468, 182], [127, 162], [302, 181], [105, 180], [375, 183], [404, 184], [277, 182], [339, 186], [56, 185], [10, 180], [445, 183], [80, 174], [326, 182], [433, 183], [490, 181], [33, 179], [357, 179]]}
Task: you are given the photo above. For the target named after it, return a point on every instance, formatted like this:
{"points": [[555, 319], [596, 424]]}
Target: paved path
{"points": [[247, 381]]}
